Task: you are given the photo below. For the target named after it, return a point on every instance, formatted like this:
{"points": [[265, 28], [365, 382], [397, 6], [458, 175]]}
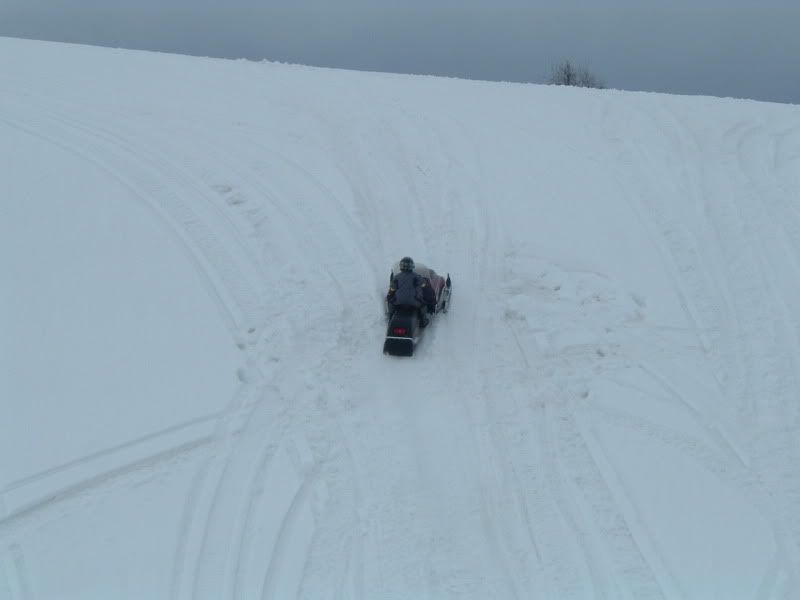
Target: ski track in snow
{"points": [[312, 482]]}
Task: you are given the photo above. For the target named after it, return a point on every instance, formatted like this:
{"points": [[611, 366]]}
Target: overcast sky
{"points": [[738, 48]]}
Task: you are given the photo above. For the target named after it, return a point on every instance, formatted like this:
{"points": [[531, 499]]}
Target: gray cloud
{"points": [[729, 48]]}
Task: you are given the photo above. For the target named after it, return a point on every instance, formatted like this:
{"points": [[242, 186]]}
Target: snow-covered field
{"points": [[194, 402]]}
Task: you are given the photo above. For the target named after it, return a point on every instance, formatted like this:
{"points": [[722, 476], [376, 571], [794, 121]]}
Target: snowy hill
{"points": [[195, 405]]}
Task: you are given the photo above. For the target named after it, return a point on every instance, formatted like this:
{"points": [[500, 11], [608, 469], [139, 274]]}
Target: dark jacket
{"points": [[428, 295], [406, 289]]}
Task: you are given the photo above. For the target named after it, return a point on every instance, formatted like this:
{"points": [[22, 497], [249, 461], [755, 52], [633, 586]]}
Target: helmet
{"points": [[406, 264]]}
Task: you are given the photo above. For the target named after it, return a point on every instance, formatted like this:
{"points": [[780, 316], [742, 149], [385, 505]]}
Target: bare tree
{"points": [[565, 73]]}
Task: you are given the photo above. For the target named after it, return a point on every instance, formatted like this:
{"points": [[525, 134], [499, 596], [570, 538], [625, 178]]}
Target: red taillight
{"points": [[399, 331]]}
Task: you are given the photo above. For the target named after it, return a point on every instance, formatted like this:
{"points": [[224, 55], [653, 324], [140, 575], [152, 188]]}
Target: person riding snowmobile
{"points": [[408, 289]]}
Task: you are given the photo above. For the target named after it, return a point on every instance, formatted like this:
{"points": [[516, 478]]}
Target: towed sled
{"points": [[404, 328]]}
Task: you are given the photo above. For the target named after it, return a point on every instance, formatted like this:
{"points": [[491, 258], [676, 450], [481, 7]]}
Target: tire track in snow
{"points": [[338, 287], [635, 572], [663, 234], [711, 310], [727, 469], [341, 474], [201, 531], [647, 542], [724, 448], [203, 238], [303, 408], [772, 340], [559, 572], [555, 475], [570, 563], [338, 473], [19, 587], [428, 566], [746, 481], [555, 557], [483, 243], [277, 560], [204, 495], [786, 303], [342, 297], [249, 515], [278, 436], [755, 285], [360, 576], [730, 355], [626, 553], [573, 569], [229, 416], [487, 457], [771, 210], [680, 250], [12, 557], [785, 152], [91, 158], [215, 494], [165, 185], [106, 452], [75, 496], [147, 185], [241, 556], [336, 525], [740, 367], [498, 487], [216, 518]]}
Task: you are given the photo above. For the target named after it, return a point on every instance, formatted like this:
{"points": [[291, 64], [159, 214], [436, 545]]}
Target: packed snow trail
{"points": [[196, 253]]}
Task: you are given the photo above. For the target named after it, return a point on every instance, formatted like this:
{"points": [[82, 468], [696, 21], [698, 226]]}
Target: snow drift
{"points": [[195, 403]]}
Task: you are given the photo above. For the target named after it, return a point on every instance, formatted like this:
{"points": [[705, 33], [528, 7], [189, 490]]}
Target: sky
{"points": [[736, 48]]}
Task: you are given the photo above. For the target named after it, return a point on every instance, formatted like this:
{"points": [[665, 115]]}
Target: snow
{"points": [[194, 253]]}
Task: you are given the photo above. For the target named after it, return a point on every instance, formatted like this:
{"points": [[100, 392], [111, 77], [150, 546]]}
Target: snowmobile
{"points": [[404, 330]]}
